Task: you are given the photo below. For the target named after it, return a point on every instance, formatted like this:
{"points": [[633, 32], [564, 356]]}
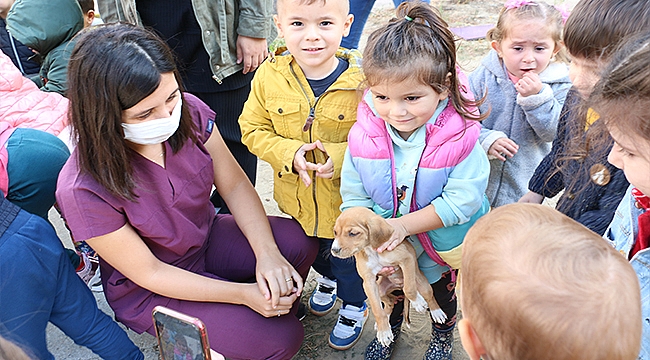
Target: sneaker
{"points": [[377, 351], [85, 269], [302, 311], [95, 282], [440, 345], [88, 271], [83, 247], [323, 298], [349, 326]]}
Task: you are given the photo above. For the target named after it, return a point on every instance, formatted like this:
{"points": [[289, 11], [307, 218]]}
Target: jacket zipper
{"points": [[307, 127]]}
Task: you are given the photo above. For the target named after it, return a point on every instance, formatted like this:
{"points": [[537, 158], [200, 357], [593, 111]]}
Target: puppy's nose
{"points": [[336, 249]]}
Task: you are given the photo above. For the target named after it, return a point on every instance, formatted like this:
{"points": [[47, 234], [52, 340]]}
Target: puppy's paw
{"points": [[438, 316], [420, 305], [385, 337]]}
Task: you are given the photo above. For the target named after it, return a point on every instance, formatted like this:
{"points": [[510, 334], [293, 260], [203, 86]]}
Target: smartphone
{"points": [[180, 336]]}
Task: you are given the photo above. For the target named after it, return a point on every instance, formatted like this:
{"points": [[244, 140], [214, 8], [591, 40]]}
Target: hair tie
{"points": [[408, 18], [514, 4], [563, 11]]}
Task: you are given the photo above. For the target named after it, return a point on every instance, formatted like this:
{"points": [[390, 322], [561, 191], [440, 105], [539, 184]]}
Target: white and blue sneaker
{"points": [[323, 298], [349, 326]]}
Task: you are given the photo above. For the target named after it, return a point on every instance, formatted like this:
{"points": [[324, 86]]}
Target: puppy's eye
{"points": [[353, 233], [336, 233]]}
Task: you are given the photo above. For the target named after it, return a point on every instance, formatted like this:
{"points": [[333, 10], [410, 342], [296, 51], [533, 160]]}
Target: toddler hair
{"points": [[417, 44], [538, 285], [530, 10], [111, 69], [626, 85], [596, 27]]}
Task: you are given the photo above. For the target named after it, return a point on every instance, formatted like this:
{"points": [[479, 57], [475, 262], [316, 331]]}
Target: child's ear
{"points": [[278, 25], [90, 16], [471, 343], [348, 23], [496, 46]]}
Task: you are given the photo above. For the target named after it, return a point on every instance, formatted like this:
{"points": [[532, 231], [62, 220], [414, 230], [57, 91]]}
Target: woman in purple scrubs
{"points": [[137, 189]]}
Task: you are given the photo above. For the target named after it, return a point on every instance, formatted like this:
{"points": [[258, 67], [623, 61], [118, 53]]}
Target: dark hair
{"points": [[112, 68], [626, 85], [86, 5], [596, 27], [593, 31], [532, 10], [417, 44]]}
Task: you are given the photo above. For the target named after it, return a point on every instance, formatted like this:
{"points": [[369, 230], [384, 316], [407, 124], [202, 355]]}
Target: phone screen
{"points": [[180, 337]]}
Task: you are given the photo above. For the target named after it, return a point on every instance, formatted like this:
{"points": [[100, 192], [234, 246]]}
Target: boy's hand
{"points": [[251, 51], [302, 166], [529, 84], [503, 147]]}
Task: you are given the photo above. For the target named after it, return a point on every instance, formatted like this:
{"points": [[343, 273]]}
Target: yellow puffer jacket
{"points": [[273, 125]]}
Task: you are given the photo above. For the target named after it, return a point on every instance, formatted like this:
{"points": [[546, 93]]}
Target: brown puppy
{"points": [[359, 232]]}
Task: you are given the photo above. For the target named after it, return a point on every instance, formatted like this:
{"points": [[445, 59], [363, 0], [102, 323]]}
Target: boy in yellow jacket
{"points": [[297, 117]]}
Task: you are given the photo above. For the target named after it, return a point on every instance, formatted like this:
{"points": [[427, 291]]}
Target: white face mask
{"points": [[156, 131]]}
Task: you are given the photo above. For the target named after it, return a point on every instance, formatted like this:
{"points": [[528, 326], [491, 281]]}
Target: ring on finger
{"points": [[289, 279], [279, 313]]}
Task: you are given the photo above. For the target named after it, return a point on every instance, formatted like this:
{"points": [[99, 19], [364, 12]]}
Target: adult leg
{"points": [[35, 160], [237, 331], [361, 10], [230, 256], [49, 290]]}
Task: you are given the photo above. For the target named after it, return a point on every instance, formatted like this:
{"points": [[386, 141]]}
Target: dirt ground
{"points": [[413, 342]]}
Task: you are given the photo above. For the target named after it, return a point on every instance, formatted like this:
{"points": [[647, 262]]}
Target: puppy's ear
{"points": [[378, 230]]}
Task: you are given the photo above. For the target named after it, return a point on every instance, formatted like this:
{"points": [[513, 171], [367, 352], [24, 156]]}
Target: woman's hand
{"points": [[263, 306], [399, 234], [276, 278]]}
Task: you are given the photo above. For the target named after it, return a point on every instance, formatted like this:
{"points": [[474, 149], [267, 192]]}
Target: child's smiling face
{"points": [[528, 46], [406, 105], [313, 33]]}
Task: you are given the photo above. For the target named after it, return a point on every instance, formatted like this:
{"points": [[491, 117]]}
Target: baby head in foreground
{"points": [[538, 285]]}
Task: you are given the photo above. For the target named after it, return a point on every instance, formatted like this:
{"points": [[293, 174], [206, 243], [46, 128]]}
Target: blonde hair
{"points": [[538, 285], [534, 10]]}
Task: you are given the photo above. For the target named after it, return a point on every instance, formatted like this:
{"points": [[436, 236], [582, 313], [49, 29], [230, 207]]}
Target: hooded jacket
{"points": [[20, 54], [273, 125], [530, 121], [48, 28]]}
